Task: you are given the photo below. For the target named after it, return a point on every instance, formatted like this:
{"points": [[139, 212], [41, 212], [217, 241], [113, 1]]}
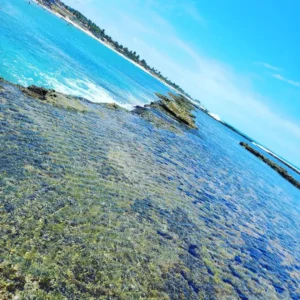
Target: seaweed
{"points": [[98, 203]]}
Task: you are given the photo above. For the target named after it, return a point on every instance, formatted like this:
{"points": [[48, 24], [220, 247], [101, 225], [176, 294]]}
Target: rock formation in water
{"points": [[177, 107], [283, 172]]}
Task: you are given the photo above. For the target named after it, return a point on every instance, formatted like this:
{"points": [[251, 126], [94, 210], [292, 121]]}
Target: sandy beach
{"points": [[108, 46]]}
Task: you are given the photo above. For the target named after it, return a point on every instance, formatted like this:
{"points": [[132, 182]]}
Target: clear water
{"points": [[39, 48], [192, 214]]}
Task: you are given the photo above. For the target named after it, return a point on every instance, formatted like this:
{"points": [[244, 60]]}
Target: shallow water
{"points": [[104, 205], [39, 48]]}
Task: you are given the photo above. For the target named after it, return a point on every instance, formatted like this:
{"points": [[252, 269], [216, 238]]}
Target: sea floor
{"points": [[100, 203]]}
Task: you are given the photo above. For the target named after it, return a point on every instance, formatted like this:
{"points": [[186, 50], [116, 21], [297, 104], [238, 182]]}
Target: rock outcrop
{"points": [[176, 106], [281, 171]]}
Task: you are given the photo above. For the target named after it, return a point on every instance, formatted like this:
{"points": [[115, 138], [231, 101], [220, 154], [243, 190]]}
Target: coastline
{"points": [[109, 47]]}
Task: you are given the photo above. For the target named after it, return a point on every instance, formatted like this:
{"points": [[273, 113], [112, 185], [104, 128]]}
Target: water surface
{"points": [[104, 205], [39, 48]]}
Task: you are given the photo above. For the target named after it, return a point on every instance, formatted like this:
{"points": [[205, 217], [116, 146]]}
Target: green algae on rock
{"points": [[55, 98], [177, 106], [168, 112]]}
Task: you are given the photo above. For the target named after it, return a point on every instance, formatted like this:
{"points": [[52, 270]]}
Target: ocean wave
{"points": [[263, 148], [79, 87], [276, 156]]}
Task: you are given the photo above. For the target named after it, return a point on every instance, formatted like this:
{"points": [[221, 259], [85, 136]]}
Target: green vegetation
{"points": [[99, 33]]}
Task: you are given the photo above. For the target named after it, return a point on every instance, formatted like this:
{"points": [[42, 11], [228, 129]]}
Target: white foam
{"points": [[128, 106], [111, 48], [263, 148], [215, 116], [79, 87], [87, 89], [272, 153]]}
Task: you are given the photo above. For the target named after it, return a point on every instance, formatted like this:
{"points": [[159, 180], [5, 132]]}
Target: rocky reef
{"points": [[176, 106], [61, 100], [97, 202], [281, 171]]}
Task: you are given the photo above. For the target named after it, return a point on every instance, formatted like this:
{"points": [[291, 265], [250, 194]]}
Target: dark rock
{"points": [[210, 272], [278, 288], [194, 250], [113, 106], [164, 235], [241, 294], [39, 91], [190, 282], [8, 207], [226, 280], [238, 259], [176, 106], [281, 171]]}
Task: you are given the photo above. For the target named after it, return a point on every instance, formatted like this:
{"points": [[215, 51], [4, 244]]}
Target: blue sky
{"points": [[239, 58]]}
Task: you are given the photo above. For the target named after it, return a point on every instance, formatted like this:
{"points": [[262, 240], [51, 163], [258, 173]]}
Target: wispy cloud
{"points": [[192, 11], [277, 75], [183, 7], [289, 81], [268, 66]]}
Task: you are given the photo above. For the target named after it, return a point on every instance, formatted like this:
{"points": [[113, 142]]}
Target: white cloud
{"points": [[178, 8], [289, 81], [191, 10], [277, 75], [268, 66], [82, 2]]}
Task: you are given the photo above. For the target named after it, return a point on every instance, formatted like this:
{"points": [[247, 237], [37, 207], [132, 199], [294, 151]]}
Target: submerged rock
{"points": [[96, 203], [112, 106], [157, 118], [55, 98]]}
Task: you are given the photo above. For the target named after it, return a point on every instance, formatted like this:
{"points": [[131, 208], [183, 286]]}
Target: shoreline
{"points": [[108, 46]]}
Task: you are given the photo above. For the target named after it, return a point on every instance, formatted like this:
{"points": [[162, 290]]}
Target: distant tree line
{"points": [[100, 33]]}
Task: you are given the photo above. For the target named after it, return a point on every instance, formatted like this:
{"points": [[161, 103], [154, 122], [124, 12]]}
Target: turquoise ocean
{"points": [[40, 48]]}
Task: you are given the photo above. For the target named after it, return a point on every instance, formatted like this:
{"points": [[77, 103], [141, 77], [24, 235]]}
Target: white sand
{"points": [[108, 46]]}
